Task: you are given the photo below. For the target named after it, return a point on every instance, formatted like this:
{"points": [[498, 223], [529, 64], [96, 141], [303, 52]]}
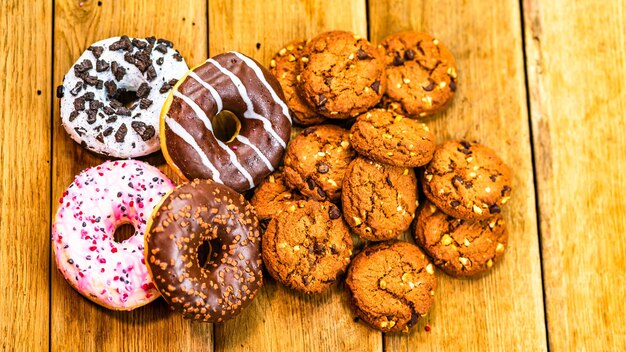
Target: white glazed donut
{"points": [[112, 96], [99, 200]]}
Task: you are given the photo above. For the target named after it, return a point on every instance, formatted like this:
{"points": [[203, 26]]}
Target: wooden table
{"points": [[541, 81]]}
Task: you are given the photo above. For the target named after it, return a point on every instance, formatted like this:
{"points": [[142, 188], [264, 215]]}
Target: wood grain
{"points": [[576, 54], [280, 319], [78, 324], [503, 309], [25, 66]]}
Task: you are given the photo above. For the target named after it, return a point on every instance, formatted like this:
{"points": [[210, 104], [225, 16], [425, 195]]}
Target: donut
{"points": [[203, 250], [110, 273], [192, 140], [112, 96]]}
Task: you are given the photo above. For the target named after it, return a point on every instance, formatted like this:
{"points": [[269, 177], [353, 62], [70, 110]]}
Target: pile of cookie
{"points": [[354, 170]]}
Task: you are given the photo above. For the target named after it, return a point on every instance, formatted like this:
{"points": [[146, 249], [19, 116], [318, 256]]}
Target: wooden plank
{"points": [[503, 310], [280, 319], [25, 69], [78, 324], [577, 82]]}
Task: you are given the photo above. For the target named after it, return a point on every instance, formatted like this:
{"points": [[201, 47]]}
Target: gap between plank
{"points": [[532, 155], [50, 183]]}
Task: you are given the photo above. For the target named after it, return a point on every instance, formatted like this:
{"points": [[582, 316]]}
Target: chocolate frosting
{"points": [[193, 214]]}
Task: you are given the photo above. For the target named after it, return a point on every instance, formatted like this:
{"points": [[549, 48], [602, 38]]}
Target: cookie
{"points": [[460, 247], [379, 201], [391, 284], [308, 248], [283, 66], [467, 180], [316, 161], [389, 138], [272, 197], [421, 73], [341, 75]]}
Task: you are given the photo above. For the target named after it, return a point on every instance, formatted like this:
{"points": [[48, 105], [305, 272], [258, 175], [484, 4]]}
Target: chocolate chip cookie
{"points": [[307, 248], [283, 66], [316, 161], [392, 139], [341, 75], [467, 180], [391, 285], [460, 247], [379, 201], [272, 197], [421, 73]]}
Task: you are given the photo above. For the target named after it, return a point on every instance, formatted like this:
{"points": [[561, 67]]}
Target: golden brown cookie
{"points": [[272, 197], [391, 285], [283, 66], [460, 247], [316, 161], [379, 201], [389, 138], [341, 75], [307, 248], [421, 73]]}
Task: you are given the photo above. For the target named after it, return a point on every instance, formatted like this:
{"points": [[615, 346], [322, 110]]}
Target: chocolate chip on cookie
{"points": [[284, 67], [460, 247], [391, 285], [272, 197], [316, 161], [467, 180], [389, 138], [421, 73], [307, 248], [379, 201], [341, 75]]}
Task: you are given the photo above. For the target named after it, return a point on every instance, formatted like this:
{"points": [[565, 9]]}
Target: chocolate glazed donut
{"points": [[187, 219], [227, 82]]}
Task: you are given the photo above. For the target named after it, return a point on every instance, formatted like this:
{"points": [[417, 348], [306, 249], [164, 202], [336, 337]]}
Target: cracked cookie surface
{"points": [[460, 247], [341, 75], [467, 180], [284, 66], [390, 138], [307, 248], [391, 284], [379, 201], [272, 197], [316, 161], [421, 73]]}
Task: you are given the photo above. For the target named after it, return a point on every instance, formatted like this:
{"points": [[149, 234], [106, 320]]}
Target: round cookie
{"points": [[272, 197], [341, 74], [379, 201], [284, 67], [389, 138], [421, 73], [467, 180], [391, 284], [316, 161], [460, 247], [308, 247]]}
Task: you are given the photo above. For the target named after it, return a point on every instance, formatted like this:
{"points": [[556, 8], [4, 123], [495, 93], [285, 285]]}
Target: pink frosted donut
{"points": [[112, 274]]}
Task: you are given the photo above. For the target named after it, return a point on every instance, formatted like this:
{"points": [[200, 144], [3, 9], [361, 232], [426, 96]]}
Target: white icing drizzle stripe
{"points": [[247, 142], [261, 77], [207, 123], [249, 113], [214, 93], [182, 133]]}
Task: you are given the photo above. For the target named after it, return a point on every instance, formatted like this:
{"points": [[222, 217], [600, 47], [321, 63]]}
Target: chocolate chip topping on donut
{"points": [[193, 215]]}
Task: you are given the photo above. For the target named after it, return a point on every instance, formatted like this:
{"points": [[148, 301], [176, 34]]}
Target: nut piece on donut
{"points": [[196, 218], [240, 152], [112, 96]]}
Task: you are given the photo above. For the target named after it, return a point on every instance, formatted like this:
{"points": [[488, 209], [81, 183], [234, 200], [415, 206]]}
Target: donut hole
{"points": [[123, 232], [226, 126], [207, 252], [126, 97]]}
